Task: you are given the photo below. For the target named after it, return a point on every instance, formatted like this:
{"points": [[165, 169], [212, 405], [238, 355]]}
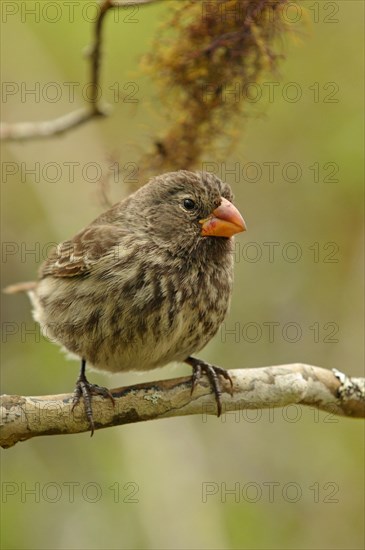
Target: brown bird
{"points": [[146, 283]]}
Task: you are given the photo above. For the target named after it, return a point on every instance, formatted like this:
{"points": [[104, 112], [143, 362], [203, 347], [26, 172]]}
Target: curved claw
{"points": [[86, 390], [212, 373]]}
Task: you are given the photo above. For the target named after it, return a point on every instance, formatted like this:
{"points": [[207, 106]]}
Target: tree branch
{"points": [[22, 131], [22, 418]]}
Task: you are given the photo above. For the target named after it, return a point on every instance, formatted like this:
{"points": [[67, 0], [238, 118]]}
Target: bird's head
{"points": [[187, 208]]}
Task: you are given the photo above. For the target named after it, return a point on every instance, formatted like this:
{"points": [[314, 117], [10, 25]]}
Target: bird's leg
{"points": [[212, 373], [86, 390]]}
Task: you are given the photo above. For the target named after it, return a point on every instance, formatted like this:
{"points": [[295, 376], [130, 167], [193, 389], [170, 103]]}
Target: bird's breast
{"points": [[136, 318]]}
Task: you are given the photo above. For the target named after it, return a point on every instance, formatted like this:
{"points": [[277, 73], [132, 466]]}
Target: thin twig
{"points": [[22, 131], [22, 418]]}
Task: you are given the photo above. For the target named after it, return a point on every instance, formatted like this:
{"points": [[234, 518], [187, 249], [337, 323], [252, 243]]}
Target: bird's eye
{"points": [[189, 204]]}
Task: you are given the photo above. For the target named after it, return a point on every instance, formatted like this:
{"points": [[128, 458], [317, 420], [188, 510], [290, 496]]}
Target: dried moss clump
{"points": [[206, 59]]}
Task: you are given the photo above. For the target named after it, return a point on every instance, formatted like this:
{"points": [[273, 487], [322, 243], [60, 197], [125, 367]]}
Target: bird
{"points": [[147, 283]]}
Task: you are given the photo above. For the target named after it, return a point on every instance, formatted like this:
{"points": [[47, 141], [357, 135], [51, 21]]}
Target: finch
{"points": [[146, 283]]}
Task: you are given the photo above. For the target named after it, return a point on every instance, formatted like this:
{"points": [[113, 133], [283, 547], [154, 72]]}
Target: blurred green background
{"points": [[298, 474]]}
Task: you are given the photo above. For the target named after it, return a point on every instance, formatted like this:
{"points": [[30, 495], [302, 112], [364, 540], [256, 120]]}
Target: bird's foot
{"points": [[86, 390], [212, 373]]}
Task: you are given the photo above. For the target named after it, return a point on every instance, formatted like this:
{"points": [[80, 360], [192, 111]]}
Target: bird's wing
{"points": [[76, 256]]}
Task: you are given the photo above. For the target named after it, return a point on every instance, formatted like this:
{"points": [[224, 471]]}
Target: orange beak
{"points": [[224, 221]]}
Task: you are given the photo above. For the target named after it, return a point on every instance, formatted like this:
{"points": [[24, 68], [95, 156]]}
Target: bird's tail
{"points": [[20, 287]]}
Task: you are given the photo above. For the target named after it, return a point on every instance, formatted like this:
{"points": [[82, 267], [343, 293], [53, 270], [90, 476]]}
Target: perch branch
{"points": [[22, 131], [22, 418]]}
